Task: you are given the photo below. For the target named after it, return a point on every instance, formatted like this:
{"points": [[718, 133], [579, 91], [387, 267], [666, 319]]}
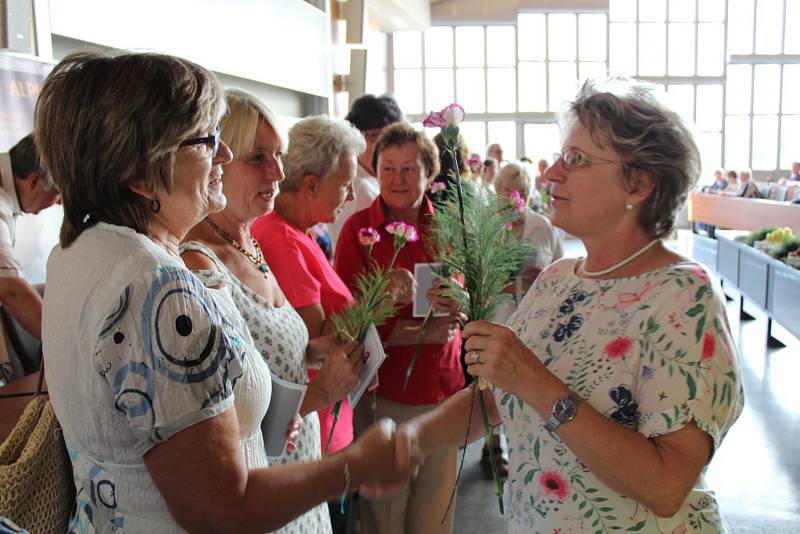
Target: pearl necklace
{"points": [[257, 260], [620, 264]]}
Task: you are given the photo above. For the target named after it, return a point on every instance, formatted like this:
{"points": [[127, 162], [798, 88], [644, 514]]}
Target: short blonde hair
{"points": [[103, 122], [238, 126], [518, 176]]}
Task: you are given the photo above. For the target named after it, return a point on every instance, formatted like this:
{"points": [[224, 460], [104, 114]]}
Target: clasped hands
{"points": [[386, 457]]}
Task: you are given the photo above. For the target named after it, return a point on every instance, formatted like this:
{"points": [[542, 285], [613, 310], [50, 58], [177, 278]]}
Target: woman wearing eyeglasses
{"points": [[153, 376], [617, 378]]}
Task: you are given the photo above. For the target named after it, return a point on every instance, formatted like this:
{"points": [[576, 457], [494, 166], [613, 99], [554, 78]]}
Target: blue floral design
{"points": [[627, 412]]}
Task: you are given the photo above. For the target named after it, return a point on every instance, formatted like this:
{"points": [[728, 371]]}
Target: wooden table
{"points": [[11, 408], [742, 213]]}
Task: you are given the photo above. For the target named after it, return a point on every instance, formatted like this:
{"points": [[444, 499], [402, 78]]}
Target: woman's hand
{"points": [[338, 376], [319, 348], [495, 352], [293, 432], [441, 303], [442, 330], [401, 286], [388, 457]]}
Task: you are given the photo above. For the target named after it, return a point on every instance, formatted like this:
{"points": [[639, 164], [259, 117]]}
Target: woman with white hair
{"points": [[320, 166], [515, 179]]}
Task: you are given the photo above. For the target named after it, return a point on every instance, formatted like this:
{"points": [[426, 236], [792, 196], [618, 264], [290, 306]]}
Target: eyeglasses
{"points": [[211, 140], [572, 158]]}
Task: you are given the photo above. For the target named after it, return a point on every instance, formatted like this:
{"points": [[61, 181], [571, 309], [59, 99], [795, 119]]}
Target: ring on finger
{"points": [[476, 357]]}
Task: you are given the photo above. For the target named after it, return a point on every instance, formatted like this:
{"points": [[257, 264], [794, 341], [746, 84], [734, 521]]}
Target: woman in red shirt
{"points": [[406, 162]]}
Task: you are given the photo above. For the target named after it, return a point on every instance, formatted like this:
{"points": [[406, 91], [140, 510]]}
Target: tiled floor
{"points": [[756, 471]]}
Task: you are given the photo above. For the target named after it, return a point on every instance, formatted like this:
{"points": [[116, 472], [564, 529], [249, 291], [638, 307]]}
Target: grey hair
{"points": [[649, 137], [518, 174], [315, 146]]}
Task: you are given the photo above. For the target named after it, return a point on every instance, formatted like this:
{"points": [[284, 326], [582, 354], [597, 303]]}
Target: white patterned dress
{"points": [[651, 352], [138, 349], [281, 336]]}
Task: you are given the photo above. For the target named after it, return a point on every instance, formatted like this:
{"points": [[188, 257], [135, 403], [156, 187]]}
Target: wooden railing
{"points": [[742, 213]]}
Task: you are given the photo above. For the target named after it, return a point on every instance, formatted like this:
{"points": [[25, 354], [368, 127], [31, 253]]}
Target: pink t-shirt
{"points": [[306, 278]]}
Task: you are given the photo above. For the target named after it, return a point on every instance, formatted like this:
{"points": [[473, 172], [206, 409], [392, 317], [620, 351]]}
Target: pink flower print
{"points": [[553, 483], [626, 299], [618, 348], [709, 345], [698, 272], [680, 529]]}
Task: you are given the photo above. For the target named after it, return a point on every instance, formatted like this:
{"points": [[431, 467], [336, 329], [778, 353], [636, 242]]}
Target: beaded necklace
{"points": [[616, 266], [257, 260]]}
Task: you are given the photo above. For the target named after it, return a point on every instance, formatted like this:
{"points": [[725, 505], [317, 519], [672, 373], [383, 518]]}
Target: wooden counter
{"points": [[742, 213], [12, 407]]}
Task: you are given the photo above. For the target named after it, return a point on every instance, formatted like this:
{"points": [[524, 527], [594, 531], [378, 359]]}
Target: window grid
{"points": [[544, 115], [696, 80]]}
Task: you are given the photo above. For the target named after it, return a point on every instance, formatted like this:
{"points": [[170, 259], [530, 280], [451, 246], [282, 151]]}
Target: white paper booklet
{"points": [[283, 406], [373, 351], [425, 274]]}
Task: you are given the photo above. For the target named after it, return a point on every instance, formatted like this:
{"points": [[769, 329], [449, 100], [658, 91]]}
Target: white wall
{"points": [[279, 42]]}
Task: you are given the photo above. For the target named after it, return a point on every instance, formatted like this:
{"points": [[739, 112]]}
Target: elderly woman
{"points": [[220, 250], [515, 180], [153, 376], [620, 369], [407, 162], [320, 166]]}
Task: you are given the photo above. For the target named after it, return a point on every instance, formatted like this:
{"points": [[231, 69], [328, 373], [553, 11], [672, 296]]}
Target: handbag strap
{"points": [[38, 391]]}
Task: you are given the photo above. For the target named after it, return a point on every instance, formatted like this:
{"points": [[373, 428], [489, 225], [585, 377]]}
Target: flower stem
{"points": [[335, 412], [426, 324]]}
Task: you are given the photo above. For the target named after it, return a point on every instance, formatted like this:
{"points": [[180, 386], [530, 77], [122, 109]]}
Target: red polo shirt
{"points": [[437, 373]]}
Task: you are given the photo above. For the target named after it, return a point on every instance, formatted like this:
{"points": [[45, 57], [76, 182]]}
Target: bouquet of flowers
{"points": [[470, 236], [373, 304]]}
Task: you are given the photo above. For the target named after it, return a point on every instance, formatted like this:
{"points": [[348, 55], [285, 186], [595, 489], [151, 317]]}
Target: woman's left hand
{"points": [[495, 352]]}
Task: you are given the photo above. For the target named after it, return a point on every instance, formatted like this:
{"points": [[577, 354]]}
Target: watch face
{"points": [[565, 409]]}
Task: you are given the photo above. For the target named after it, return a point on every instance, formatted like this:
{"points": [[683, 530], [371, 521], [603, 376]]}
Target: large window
{"points": [[657, 40], [511, 79], [727, 66]]}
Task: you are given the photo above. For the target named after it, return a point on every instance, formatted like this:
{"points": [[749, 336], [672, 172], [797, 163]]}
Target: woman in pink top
{"points": [[319, 167]]}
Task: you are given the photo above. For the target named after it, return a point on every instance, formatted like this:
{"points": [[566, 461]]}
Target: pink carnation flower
{"points": [[453, 114], [518, 203], [403, 231], [368, 236], [438, 186]]}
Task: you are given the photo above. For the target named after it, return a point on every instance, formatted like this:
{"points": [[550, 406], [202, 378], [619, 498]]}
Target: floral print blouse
{"points": [[652, 352]]}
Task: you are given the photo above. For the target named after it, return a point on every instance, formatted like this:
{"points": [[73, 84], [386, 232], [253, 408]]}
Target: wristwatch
{"points": [[564, 410]]}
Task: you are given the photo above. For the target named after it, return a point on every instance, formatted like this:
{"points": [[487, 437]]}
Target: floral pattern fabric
{"points": [[651, 352]]}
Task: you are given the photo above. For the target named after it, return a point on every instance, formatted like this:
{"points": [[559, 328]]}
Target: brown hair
{"points": [[401, 133], [103, 122], [625, 115]]}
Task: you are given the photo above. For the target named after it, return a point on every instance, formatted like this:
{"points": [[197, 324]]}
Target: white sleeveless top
{"points": [[281, 336]]}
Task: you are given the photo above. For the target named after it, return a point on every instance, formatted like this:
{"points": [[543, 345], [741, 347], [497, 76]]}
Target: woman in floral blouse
{"points": [[617, 379]]}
